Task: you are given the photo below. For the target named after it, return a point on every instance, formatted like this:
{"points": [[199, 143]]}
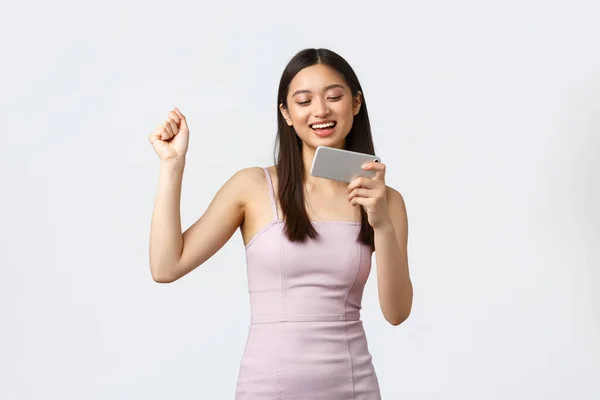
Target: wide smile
{"points": [[323, 129]]}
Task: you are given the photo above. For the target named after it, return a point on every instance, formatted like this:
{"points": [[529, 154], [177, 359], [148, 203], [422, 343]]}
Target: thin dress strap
{"points": [[271, 193]]}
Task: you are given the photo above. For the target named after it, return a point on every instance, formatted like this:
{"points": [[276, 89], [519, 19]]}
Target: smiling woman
{"points": [[308, 240], [302, 97], [321, 104]]}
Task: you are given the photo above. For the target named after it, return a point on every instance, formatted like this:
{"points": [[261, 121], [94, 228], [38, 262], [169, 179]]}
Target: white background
{"points": [[487, 114]]}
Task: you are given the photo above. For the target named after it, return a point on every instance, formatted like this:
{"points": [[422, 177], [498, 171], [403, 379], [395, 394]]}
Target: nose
{"points": [[320, 108]]}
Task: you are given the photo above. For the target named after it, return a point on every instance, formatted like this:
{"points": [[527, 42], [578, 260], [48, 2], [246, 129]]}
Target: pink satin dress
{"points": [[306, 340]]}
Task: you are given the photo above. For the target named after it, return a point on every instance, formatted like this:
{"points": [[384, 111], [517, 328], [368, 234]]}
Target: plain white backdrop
{"points": [[487, 114]]}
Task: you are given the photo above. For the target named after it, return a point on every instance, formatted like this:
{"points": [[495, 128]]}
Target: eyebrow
{"points": [[335, 85]]}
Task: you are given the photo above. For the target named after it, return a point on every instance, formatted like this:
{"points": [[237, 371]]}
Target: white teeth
{"points": [[321, 126]]}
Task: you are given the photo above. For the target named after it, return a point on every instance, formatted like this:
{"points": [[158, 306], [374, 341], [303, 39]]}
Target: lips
{"points": [[324, 129], [323, 125]]}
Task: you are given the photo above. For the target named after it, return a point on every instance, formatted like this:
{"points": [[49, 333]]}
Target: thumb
{"points": [[183, 124]]}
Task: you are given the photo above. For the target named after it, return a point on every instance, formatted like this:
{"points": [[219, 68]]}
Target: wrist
{"points": [[173, 163], [384, 227], [172, 168]]}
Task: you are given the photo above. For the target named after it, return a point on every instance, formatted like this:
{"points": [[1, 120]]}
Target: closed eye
{"points": [[303, 103]]}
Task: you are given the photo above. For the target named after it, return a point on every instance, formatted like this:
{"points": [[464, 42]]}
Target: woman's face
{"points": [[320, 106]]}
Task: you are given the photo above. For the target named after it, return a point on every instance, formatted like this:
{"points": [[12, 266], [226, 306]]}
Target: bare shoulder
{"points": [[254, 177], [395, 198], [252, 174], [248, 173], [247, 182], [245, 179]]}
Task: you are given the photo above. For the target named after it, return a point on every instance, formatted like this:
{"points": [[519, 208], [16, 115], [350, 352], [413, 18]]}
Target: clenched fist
{"points": [[170, 140]]}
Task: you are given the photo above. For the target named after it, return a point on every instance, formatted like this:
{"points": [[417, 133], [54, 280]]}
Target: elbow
{"points": [[161, 275], [402, 311], [162, 279], [398, 319]]}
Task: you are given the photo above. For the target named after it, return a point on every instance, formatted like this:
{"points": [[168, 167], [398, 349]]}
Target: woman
{"points": [[308, 240]]}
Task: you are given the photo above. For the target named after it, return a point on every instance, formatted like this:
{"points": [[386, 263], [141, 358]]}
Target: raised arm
{"points": [[174, 254]]}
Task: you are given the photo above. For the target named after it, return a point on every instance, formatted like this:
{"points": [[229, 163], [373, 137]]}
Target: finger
{"points": [[173, 115], [168, 129], [158, 134], [183, 122], [378, 167], [373, 165], [361, 182], [362, 192], [174, 127], [154, 136], [362, 201], [164, 134]]}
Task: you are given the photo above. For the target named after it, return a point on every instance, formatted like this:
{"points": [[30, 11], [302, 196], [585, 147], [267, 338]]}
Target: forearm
{"points": [[393, 279], [166, 241]]}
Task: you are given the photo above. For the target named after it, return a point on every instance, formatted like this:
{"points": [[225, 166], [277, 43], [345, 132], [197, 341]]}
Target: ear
{"points": [[357, 102], [285, 114]]}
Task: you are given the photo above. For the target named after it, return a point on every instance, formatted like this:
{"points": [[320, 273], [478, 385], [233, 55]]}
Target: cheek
{"points": [[299, 114], [345, 110], [345, 106]]}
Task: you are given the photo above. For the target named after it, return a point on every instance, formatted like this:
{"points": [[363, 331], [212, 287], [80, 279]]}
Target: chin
{"points": [[329, 142]]}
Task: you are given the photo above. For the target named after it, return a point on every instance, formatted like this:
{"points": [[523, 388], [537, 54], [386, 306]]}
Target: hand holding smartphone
{"points": [[341, 165]]}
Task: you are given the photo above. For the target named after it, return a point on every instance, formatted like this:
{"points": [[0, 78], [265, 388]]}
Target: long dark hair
{"points": [[288, 147]]}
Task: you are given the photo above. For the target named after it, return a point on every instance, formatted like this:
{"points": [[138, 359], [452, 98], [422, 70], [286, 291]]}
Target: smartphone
{"points": [[341, 165]]}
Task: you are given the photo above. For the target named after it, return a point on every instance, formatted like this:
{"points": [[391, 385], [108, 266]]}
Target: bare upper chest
{"points": [[320, 205]]}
